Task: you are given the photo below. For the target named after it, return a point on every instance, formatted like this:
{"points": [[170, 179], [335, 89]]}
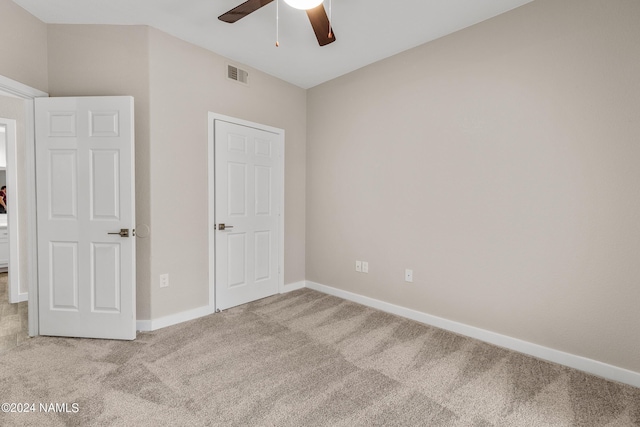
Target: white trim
{"points": [[211, 179], [12, 213], [281, 140], [32, 227], [247, 123], [571, 360], [28, 93], [174, 319], [185, 316], [212, 117], [20, 90], [143, 326], [290, 287]]}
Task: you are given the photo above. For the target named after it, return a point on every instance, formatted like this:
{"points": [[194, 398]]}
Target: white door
{"points": [[248, 193], [85, 194]]}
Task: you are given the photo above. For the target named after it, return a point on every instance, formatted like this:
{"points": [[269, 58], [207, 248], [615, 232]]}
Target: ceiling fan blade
{"points": [[320, 23], [243, 10]]}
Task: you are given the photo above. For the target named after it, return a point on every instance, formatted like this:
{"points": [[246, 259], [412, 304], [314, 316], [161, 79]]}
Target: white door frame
{"points": [[28, 93], [212, 199]]}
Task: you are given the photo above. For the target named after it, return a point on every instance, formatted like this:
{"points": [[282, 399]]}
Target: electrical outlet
{"points": [[365, 267], [359, 266], [164, 280], [408, 275]]}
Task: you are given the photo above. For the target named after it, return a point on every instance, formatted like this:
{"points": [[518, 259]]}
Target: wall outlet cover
{"points": [[408, 275], [164, 280]]}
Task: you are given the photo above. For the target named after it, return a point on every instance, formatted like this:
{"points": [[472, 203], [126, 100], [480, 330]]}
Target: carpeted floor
{"points": [[14, 328], [302, 359]]}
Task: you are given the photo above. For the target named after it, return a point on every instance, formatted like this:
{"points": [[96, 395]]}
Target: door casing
{"points": [[211, 175], [28, 93]]}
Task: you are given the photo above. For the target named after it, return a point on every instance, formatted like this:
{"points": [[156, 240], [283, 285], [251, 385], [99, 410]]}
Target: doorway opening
{"points": [[13, 292], [10, 220]]}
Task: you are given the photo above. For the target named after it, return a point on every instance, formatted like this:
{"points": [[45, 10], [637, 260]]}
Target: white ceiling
{"points": [[366, 30]]}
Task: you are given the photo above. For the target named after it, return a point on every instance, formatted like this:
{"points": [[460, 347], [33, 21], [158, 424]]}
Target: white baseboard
{"points": [[571, 360], [22, 296], [174, 319], [293, 286], [143, 326]]}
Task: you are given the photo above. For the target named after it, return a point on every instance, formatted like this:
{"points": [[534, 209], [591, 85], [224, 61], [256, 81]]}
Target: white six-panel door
{"points": [[247, 201], [85, 193]]}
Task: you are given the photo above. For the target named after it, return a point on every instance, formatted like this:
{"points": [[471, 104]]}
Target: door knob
{"points": [[224, 227], [124, 232]]}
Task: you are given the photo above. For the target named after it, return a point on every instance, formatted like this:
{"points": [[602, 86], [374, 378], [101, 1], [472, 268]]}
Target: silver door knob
{"points": [[224, 227], [124, 232]]}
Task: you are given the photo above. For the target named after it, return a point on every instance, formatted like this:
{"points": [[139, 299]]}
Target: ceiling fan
{"points": [[315, 11]]}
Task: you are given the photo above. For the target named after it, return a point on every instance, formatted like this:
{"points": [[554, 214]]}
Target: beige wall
{"points": [[187, 82], [23, 46], [499, 163], [105, 60]]}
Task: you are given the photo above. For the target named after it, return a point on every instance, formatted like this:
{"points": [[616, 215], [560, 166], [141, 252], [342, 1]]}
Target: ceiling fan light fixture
{"points": [[304, 4]]}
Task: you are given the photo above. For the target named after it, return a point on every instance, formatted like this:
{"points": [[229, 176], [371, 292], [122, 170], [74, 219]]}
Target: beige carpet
{"points": [[302, 359], [14, 323]]}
